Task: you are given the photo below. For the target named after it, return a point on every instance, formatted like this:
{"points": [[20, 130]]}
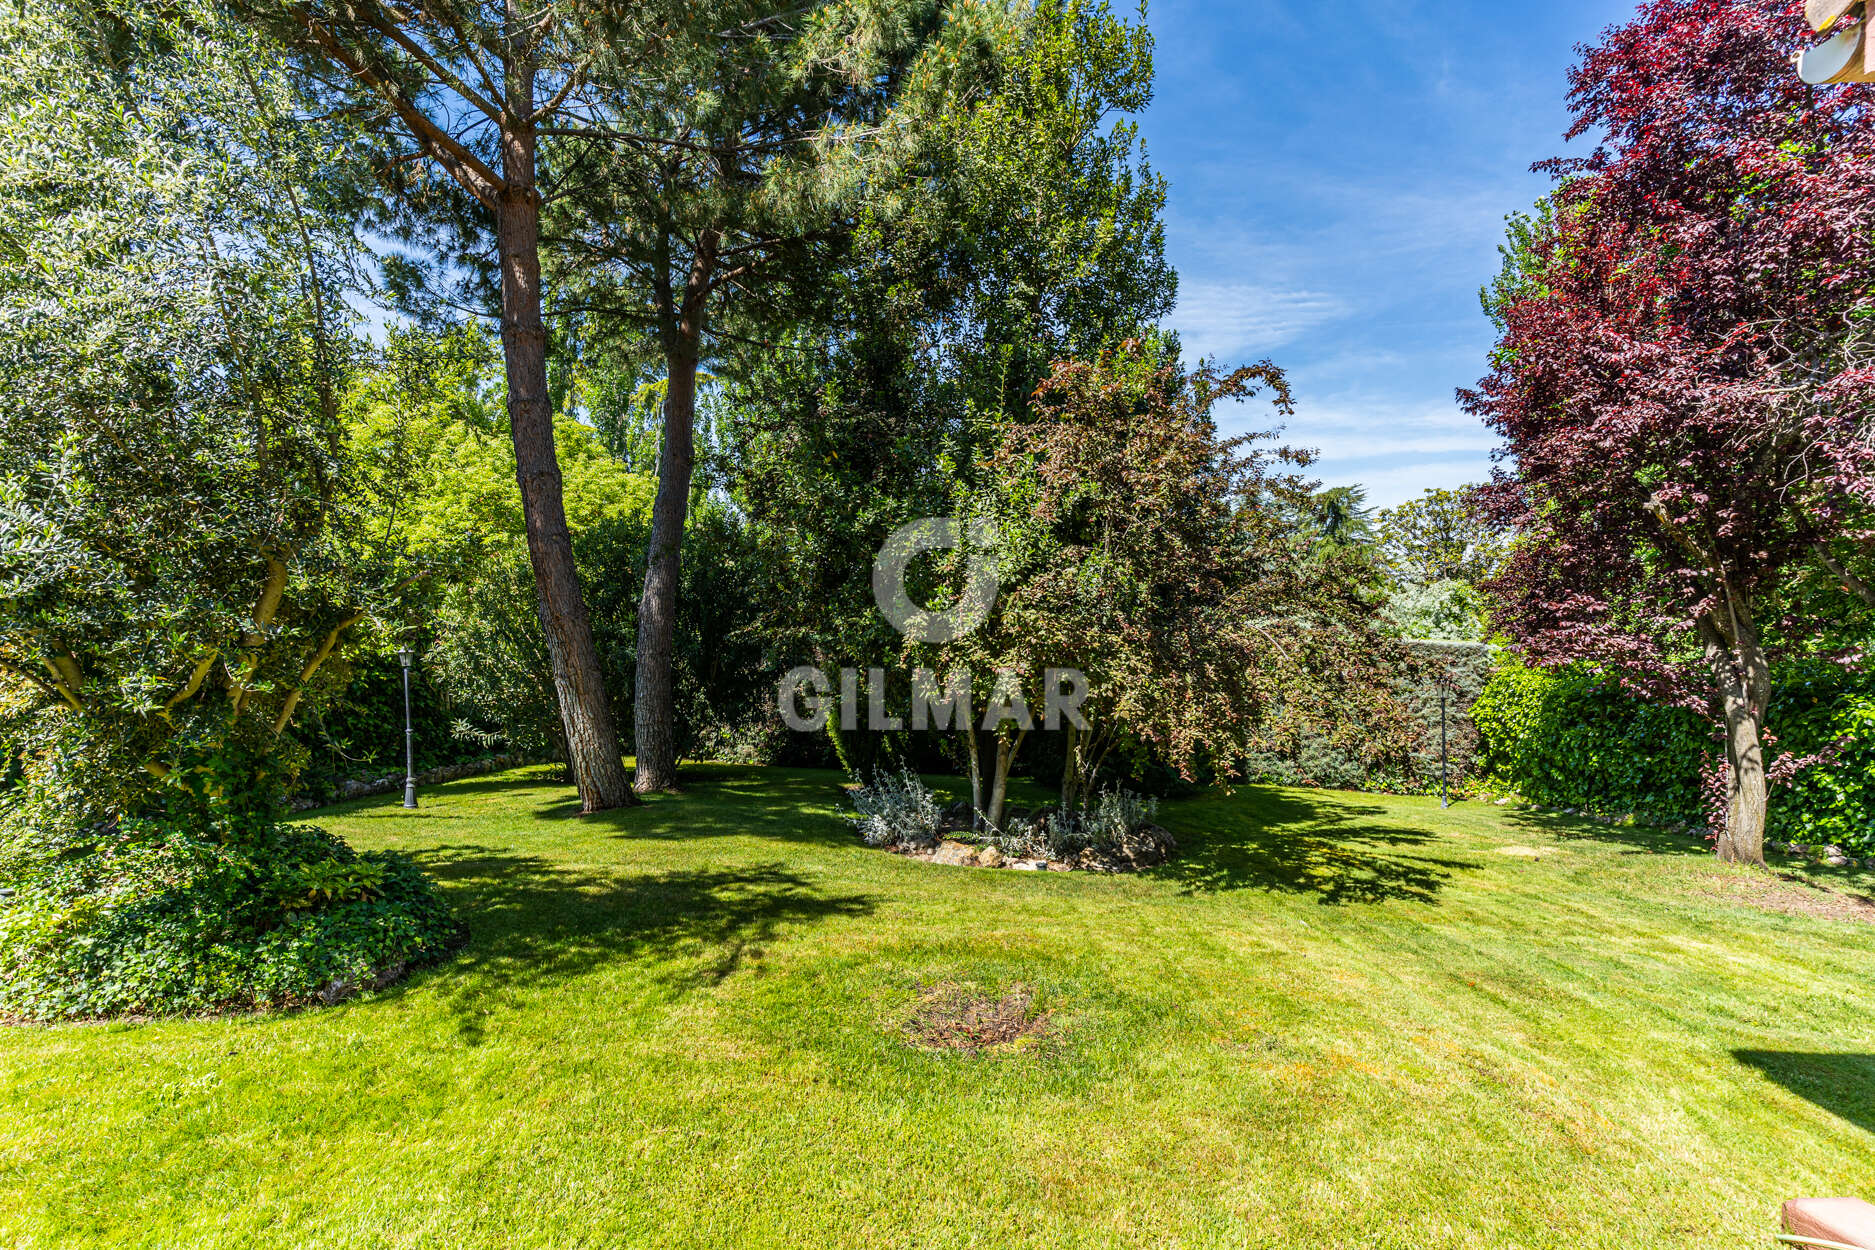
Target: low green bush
{"points": [[145, 920]]}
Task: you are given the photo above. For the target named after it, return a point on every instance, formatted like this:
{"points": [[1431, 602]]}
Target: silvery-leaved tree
{"points": [[471, 90], [184, 553], [727, 180]]}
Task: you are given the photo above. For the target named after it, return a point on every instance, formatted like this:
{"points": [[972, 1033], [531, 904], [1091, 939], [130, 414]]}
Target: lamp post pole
{"points": [[1444, 793], [410, 749]]}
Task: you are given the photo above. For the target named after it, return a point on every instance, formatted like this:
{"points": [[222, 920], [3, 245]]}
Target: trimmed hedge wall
{"points": [[1572, 738]]}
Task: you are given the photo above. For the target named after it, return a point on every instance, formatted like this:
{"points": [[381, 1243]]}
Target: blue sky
{"points": [[1339, 179]]}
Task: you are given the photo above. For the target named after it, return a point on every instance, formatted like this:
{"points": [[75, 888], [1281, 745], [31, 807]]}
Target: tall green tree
{"points": [[185, 540], [471, 89], [1026, 229], [1440, 536], [732, 176], [186, 549]]}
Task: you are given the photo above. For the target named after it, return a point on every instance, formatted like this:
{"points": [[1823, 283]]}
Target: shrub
{"points": [[1573, 738], [1570, 738], [144, 920], [1025, 838], [1832, 804], [1462, 669], [1103, 825], [897, 811]]}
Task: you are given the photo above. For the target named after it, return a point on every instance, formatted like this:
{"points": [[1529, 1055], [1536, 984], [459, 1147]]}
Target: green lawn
{"points": [[1338, 1020]]}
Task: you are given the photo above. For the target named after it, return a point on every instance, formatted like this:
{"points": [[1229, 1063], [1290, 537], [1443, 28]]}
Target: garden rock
{"points": [[955, 854], [989, 857], [1145, 847]]}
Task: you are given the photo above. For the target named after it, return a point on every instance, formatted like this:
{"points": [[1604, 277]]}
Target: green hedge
{"points": [[1572, 738]]}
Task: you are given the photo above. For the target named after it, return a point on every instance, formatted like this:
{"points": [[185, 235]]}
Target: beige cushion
{"points": [[1823, 14], [1850, 1221]]}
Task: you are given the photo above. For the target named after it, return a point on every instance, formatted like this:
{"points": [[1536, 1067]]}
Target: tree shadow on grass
{"points": [[1283, 841], [728, 801], [533, 921], [1843, 1085], [1632, 839]]}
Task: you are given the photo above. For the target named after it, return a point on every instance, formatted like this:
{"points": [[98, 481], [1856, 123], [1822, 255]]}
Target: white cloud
{"points": [[1393, 486], [1395, 450], [1232, 320]]}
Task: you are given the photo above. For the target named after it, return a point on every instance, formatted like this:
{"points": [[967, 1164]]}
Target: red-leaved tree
{"points": [[1682, 382]]}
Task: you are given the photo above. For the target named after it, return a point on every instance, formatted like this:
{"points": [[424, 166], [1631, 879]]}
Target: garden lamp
{"points": [[406, 657], [1848, 55], [1444, 786]]}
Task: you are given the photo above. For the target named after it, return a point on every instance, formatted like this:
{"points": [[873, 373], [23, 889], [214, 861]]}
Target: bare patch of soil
{"points": [[1793, 896], [956, 1017]]}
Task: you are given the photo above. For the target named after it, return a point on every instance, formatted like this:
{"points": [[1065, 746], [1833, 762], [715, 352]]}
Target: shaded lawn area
{"points": [[1337, 1020]]}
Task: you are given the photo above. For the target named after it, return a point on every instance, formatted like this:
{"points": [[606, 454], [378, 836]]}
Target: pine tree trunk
{"points": [[591, 739], [1743, 678], [654, 710]]}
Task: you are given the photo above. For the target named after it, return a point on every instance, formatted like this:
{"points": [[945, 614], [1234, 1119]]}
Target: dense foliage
{"points": [[1682, 379], [153, 920], [185, 543], [1161, 561], [1572, 738], [1437, 687]]}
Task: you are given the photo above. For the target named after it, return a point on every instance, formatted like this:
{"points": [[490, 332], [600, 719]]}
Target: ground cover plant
{"points": [[1336, 1020]]}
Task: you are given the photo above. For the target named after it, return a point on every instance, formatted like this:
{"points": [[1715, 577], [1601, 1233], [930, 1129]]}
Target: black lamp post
{"points": [[1444, 792], [406, 657]]}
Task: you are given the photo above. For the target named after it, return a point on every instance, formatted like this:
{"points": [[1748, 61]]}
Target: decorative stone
{"points": [[956, 854], [989, 857]]}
